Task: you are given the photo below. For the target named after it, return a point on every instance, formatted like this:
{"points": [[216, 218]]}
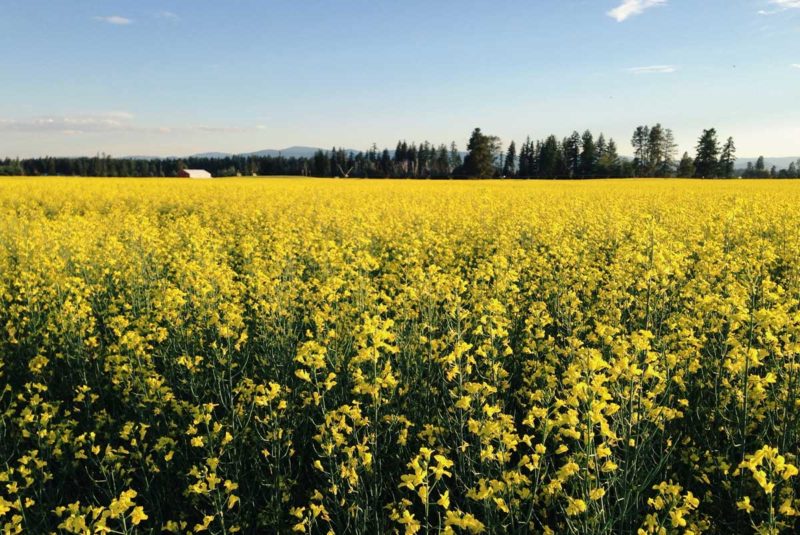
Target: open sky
{"points": [[176, 77]]}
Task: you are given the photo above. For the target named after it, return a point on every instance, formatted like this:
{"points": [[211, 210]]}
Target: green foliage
{"points": [[482, 154], [686, 166], [706, 163]]}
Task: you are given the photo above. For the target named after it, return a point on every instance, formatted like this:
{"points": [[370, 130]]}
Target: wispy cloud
{"points": [[780, 6], [115, 19], [77, 124], [795, 65], [654, 69], [117, 121], [167, 15], [788, 4], [630, 8]]}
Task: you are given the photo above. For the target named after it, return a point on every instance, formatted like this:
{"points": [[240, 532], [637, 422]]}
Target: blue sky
{"points": [[175, 77]]}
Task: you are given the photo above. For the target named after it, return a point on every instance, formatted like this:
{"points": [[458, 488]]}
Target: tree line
{"points": [[577, 156]]}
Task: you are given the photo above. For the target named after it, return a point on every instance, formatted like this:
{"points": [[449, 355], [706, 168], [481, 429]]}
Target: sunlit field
{"points": [[343, 356]]}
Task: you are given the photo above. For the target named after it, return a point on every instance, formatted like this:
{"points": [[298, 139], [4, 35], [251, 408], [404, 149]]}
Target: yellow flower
{"points": [[303, 375], [411, 524], [137, 515], [597, 494], [789, 470], [575, 507], [744, 505], [444, 500]]}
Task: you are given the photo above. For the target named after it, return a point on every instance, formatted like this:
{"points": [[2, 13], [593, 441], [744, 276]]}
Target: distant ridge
{"points": [[780, 162], [290, 152]]}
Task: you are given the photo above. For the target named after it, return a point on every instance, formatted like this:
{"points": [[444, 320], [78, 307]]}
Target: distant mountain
{"points": [[290, 152], [780, 163], [139, 157], [211, 155]]}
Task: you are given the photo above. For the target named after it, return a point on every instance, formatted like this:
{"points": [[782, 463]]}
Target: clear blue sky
{"points": [[175, 77]]}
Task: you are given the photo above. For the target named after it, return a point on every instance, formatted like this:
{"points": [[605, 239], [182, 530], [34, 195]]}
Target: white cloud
{"points": [[780, 6], [629, 8], [116, 121], [115, 19], [654, 69], [796, 65], [71, 125], [167, 15]]}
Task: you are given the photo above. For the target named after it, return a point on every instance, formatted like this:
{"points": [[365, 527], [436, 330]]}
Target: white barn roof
{"points": [[196, 173]]}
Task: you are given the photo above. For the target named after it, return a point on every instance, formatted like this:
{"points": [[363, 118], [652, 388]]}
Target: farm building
{"points": [[194, 173]]}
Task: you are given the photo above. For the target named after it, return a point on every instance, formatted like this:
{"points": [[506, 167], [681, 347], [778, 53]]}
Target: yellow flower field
{"points": [[332, 356]]}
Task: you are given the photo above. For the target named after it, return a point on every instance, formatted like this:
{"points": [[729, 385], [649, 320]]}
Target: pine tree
{"points": [[549, 156], [601, 145], [654, 151], [761, 168], [572, 155], [588, 157], [609, 161], [727, 159], [481, 155], [455, 158], [386, 163], [510, 164], [686, 166], [524, 168], [666, 166], [706, 163], [640, 141]]}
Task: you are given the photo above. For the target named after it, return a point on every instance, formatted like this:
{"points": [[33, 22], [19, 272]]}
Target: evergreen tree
{"points": [[441, 166], [686, 166], [524, 170], [706, 163], [602, 148], [549, 158], [609, 161], [528, 160], [572, 154], [510, 164], [386, 163], [588, 157], [727, 159], [665, 166], [455, 158], [482, 152], [320, 165], [654, 151], [640, 141]]}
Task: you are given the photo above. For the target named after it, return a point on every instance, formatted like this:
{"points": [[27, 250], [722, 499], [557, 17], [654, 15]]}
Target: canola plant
{"points": [[343, 356]]}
